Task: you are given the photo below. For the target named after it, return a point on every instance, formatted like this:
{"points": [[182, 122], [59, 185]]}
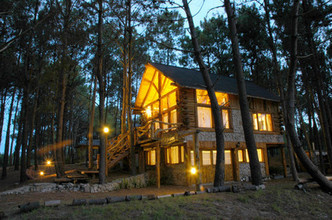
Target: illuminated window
{"points": [[165, 119], [228, 157], [225, 118], [202, 97], [155, 109], [204, 117], [164, 103], [172, 99], [222, 98], [174, 118], [206, 157], [214, 157], [240, 155], [148, 112], [192, 158], [262, 122], [175, 155], [260, 155], [151, 157]]}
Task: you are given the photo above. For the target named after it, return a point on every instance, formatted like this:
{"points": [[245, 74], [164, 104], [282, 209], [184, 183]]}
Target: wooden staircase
{"points": [[117, 149]]}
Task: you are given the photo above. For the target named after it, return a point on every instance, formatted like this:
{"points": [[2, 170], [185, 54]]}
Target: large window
{"points": [[207, 155], [202, 97], [204, 117], [175, 155], [259, 154], [262, 122], [151, 157]]}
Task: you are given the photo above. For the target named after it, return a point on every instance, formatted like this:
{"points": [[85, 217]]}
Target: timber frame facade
{"points": [[177, 130]]}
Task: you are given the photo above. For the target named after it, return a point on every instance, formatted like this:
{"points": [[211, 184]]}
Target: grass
{"points": [[276, 201]]}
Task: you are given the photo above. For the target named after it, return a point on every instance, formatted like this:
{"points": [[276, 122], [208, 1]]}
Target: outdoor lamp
{"points": [[48, 162], [106, 130], [41, 173], [193, 170]]}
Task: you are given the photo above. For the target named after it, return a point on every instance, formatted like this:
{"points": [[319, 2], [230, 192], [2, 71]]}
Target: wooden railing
{"points": [[119, 146]]}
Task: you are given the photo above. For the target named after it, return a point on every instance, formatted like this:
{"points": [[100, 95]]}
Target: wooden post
{"points": [[235, 162], [197, 161], [158, 165], [266, 160], [141, 168], [284, 163]]}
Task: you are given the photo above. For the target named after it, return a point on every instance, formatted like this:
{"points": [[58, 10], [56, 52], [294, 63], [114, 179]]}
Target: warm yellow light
{"points": [[193, 170], [41, 173], [148, 112], [48, 162], [106, 130]]}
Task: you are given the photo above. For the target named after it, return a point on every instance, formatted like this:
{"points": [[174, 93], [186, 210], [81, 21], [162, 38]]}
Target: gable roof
{"points": [[193, 79]]}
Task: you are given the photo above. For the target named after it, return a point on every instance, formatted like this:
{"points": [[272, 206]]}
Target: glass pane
{"points": [[214, 157], [255, 123], [155, 109], [153, 157], [148, 112], [174, 155], [206, 157], [260, 155], [240, 155], [202, 96], [225, 118], [182, 154], [247, 156], [164, 104], [165, 119], [192, 158], [269, 122], [168, 155], [228, 157], [204, 117], [222, 98], [172, 99], [262, 122], [174, 118]]}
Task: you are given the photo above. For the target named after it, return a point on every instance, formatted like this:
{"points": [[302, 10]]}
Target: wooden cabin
{"points": [[177, 130]]}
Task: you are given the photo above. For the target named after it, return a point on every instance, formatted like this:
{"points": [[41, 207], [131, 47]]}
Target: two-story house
{"points": [[176, 113]]}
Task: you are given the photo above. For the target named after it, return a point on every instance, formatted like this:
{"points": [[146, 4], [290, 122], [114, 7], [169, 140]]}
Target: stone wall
{"points": [[244, 170]]}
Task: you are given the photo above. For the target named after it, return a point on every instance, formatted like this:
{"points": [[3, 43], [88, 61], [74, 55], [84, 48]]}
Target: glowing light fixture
{"points": [[41, 173], [193, 170], [48, 162], [148, 112], [106, 130]]}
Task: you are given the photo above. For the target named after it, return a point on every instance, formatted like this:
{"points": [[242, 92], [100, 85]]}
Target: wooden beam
{"points": [[147, 92], [284, 163], [158, 165], [266, 160]]}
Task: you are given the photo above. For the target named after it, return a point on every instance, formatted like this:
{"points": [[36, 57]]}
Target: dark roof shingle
{"points": [[193, 79]]}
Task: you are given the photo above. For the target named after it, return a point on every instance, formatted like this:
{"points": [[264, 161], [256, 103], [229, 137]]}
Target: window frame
{"points": [[256, 122], [180, 151]]}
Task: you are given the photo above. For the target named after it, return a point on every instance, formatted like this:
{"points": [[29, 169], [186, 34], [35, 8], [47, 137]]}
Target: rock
{"points": [[52, 203], [77, 202], [29, 206], [113, 199], [97, 201], [177, 194], [164, 196], [133, 197]]}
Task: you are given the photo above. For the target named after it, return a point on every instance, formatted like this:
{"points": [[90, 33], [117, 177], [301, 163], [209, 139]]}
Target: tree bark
{"points": [[91, 122], [255, 167], [100, 76], [5, 158], [13, 134], [307, 163], [219, 128]]}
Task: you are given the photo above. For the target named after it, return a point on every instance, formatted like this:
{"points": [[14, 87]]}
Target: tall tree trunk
{"points": [[91, 122], [278, 79], [318, 82], [100, 76], [19, 137], [16, 119], [32, 124], [2, 110], [255, 167], [219, 128], [5, 158], [307, 163]]}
